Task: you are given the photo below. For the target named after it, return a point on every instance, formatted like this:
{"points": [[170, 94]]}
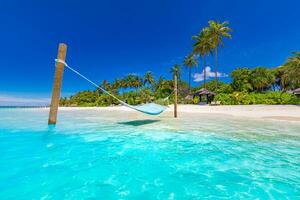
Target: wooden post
{"points": [[175, 96], [59, 70]]}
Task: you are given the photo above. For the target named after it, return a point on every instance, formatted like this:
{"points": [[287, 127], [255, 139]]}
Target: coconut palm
{"points": [[190, 61], [291, 72], [202, 47], [116, 85], [261, 78], [160, 82], [148, 79], [123, 83], [137, 82], [129, 81], [175, 70], [106, 85], [217, 31]]}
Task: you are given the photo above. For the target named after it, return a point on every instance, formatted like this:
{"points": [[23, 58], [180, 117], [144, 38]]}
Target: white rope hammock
{"points": [[148, 108]]}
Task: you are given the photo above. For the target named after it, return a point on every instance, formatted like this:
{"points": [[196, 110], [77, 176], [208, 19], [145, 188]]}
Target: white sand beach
{"points": [[273, 112]]}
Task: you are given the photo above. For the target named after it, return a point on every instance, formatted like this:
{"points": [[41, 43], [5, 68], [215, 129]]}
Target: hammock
{"points": [[148, 108]]}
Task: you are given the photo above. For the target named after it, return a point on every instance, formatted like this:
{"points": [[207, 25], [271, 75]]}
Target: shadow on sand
{"points": [[139, 122]]}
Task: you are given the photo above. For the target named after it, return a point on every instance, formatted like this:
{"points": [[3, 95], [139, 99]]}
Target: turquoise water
{"points": [[110, 155]]}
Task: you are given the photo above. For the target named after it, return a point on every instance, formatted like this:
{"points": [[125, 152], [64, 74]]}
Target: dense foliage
{"points": [[132, 90], [248, 86], [258, 85], [243, 98]]}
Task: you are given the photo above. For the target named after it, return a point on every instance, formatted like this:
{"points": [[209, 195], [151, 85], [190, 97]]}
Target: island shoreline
{"points": [[267, 112]]}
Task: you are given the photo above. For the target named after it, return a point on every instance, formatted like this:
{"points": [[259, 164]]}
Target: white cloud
{"points": [[198, 77], [8, 100]]}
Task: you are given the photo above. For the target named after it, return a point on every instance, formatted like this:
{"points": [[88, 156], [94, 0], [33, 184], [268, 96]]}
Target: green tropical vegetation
{"points": [[259, 85], [190, 61], [216, 32]]}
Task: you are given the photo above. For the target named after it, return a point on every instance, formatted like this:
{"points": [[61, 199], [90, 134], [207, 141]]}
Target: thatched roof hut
{"points": [[189, 97], [296, 91], [204, 91]]}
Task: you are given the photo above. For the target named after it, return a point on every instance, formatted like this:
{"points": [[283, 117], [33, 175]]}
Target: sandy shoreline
{"points": [[275, 112]]}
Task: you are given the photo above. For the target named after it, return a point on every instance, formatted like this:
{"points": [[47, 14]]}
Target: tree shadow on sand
{"points": [[139, 122]]}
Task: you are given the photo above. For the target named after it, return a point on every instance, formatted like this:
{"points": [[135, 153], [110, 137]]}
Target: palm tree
{"points": [[261, 78], [159, 83], [149, 79], [123, 83], [129, 81], [202, 46], [175, 70], [190, 61], [116, 85], [137, 82], [217, 31], [106, 85], [291, 72]]}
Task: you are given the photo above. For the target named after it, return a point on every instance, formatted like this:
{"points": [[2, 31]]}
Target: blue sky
{"points": [[109, 39]]}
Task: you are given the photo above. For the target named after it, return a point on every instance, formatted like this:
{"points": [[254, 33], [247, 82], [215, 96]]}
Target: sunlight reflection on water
{"points": [[113, 155]]}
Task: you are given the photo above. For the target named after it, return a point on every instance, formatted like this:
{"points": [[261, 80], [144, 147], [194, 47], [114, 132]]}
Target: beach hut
{"points": [[189, 97], [206, 93], [296, 92]]}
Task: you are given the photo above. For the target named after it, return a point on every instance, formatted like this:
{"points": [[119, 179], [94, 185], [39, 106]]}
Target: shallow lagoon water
{"points": [[96, 154]]}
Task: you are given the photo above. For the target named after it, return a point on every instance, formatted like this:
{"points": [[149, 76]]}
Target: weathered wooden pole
{"points": [[59, 70], [175, 95]]}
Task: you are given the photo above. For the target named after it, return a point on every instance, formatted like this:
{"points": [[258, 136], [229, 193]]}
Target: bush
{"points": [[243, 98], [196, 100], [105, 100]]}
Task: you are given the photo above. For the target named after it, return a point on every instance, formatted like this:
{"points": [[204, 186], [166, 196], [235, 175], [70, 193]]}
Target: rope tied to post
{"points": [[148, 108]]}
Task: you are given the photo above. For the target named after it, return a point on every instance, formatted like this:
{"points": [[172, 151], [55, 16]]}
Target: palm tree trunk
{"points": [[216, 66], [204, 72]]}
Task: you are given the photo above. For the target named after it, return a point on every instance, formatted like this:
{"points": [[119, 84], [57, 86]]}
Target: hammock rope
{"points": [[148, 108]]}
